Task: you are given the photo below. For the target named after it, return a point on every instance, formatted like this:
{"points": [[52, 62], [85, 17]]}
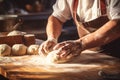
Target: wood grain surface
{"points": [[33, 67]]}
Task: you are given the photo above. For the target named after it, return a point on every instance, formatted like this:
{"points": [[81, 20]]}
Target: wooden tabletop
{"points": [[85, 67]]}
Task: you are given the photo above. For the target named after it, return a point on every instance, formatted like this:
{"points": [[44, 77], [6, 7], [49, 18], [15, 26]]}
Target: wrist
{"points": [[53, 39], [80, 42]]}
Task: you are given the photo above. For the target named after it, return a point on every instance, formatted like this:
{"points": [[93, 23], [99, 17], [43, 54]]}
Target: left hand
{"points": [[68, 49], [47, 46]]}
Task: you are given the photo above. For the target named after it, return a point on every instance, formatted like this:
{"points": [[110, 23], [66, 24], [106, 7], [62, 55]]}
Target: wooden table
{"points": [[84, 67]]}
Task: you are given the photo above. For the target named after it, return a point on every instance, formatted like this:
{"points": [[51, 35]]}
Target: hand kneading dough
{"points": [[33, 49], [15, 32], [19, 49], [5, 50], [52, 57]]}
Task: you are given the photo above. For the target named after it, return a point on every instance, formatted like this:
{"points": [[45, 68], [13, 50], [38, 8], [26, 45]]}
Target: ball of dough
{"points": [[15, 32], [5, 50], [52, 57], [19, 49], [33, 49]]}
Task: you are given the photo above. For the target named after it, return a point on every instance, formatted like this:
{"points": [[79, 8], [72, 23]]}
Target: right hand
{"points": [[68, 49], [47, 46]]}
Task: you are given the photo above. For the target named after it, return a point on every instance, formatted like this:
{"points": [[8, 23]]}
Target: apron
{"points": [[112, 48]]}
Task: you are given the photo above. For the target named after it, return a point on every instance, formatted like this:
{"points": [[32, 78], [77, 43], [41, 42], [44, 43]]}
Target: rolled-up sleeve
{"points": [[61, 10], [114, 9]]}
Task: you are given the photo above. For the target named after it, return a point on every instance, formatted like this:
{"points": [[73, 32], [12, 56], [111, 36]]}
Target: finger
{"points": [[42, 54], [45, 47], [64, 54], [69, 56], [64, 51], [73, 54], [59, 45], [41, 50], [49, 46]]}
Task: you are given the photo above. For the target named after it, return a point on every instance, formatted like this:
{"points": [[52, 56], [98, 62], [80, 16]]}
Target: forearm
{"points": [[107, 33], [54, 27]]}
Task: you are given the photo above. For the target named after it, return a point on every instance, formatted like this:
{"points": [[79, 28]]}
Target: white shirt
{"points": [[87, 9]]}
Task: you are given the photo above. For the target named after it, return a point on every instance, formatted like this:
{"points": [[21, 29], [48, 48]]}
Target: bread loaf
{"points": [[5, 50], [33, 49], [19, 49]]}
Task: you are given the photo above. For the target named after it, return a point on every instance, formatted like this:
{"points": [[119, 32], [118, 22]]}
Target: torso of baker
{"points": [[95, 16]]}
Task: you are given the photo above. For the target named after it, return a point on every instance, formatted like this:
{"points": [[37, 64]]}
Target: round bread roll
{"points": [[52, 57], [5, 50], [15, 32], [19, 49], [33, 49]]}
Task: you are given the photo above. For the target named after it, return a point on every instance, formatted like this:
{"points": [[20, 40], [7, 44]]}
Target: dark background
{"points": [[33, 20]]}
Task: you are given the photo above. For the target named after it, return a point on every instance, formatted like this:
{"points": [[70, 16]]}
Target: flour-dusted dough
{"points": [[19, 49], [5, 50], [15, 32], [52, 57], [33, 49]]}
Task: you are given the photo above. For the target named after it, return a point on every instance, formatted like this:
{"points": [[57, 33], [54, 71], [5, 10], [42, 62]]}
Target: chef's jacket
{"points": [[87, 9]]}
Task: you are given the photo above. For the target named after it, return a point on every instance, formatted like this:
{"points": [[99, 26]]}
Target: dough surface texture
{"points": [[5, 50], [15, 32], [52, 57], [19, 49], [33, 49]]}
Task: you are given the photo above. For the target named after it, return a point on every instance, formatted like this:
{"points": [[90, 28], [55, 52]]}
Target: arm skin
{"points": [[107, 33], [54, 27]]}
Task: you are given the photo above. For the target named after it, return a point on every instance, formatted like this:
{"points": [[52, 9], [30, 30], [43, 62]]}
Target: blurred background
{"points": [[31, 16]]}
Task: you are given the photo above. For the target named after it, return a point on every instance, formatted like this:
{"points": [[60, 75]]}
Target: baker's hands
{"points": [[68, 49], [47, 46]]}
